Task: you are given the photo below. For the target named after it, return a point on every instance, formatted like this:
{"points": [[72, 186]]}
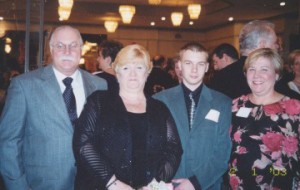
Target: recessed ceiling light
{"points": [[1, 18], [282, 3], [191, 23], [152, 23], [230, 18], [163, 18]]}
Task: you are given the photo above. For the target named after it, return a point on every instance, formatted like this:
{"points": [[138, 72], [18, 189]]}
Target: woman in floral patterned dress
{"points": [[265, 130]]}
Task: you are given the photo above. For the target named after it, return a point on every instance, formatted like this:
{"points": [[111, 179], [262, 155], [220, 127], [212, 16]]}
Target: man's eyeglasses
{"points": [[62, 47]]}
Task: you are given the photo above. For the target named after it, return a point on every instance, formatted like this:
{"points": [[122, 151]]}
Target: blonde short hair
{"points": [[131, 52], [268, 53]]}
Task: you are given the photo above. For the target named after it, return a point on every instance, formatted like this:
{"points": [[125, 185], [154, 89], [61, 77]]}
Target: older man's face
{"points": [[66, 50]]}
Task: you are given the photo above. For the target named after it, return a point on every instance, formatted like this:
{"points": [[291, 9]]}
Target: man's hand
{"points": [[183, 184]]}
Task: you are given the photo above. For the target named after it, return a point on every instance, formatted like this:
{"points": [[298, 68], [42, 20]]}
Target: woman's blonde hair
{"points": [[131, 52], [268, 53]]}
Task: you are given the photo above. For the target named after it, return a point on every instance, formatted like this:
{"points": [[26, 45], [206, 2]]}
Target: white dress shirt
{"points": [[77, 85]]}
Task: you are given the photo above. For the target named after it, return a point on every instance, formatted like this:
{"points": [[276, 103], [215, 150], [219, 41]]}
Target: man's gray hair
{"points": [[253, 32], [62, 28]]}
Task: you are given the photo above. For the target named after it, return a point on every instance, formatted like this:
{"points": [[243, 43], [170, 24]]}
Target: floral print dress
{"points": [[265, 145]]}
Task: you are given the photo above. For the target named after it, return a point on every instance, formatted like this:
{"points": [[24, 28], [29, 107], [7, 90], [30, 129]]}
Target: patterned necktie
{"points": [[192, 109], [69, 98]]}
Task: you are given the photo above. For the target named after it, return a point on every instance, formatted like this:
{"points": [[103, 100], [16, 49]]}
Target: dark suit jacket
{"points": [[231, 80], [112, 83], [207, 147], [158, 80], [103, 142], [36, 132]]}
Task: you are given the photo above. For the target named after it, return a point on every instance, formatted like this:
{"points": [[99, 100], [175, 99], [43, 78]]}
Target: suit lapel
{"points": [[89, 87], [54, 97], [203, 107], [179, 108]]}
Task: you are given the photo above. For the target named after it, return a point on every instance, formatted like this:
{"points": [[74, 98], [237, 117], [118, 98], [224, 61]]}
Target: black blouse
{"points": [[103, 143], [139, 145]]}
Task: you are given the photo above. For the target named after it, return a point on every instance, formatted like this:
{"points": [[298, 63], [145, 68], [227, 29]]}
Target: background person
{"points": [[224, 55], [265, 129], [294, 62], [125, 141], [108, 51], [254, 35], [35, 128], [158, 79]]}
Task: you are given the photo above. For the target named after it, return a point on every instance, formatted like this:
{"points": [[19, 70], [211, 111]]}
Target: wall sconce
{"points": [[111, 26], [194, 10], [154, 2], [66, 3], [64, 13], [176, 18], [127, 12]]}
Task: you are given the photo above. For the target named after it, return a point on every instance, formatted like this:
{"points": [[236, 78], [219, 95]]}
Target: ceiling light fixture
{"points": [[64, 13], [194, 10], [127, 12], [64, 9], [66, 3], [282, 3], [111, 26], [176, 18], [230, 18], [154, 2]]}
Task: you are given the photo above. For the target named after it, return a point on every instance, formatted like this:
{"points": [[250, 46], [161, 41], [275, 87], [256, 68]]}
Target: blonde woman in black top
{"points": [[128, 140]]}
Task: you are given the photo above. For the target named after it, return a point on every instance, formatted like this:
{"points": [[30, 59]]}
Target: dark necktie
{"points": [[70, 99], [192, 109]]}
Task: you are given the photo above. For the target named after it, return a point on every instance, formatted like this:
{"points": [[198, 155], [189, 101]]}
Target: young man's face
{"points": [[193, 66]]}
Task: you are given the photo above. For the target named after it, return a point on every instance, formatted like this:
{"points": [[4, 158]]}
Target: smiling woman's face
{"points": [[261, 76]]}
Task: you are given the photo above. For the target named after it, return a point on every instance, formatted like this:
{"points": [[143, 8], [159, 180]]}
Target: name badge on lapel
{"points": [[243, 112], [213, 115]]}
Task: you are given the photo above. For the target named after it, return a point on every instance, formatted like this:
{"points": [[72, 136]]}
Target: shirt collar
{"points": [[195, 93], [61, 76]]}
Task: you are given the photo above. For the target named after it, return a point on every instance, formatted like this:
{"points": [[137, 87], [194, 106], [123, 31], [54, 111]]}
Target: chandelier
{"points": [[111, 26], [154, 2], [127, 12], [64, 9], [66, 3], [194, 10], [176, 18], [64, 13]]}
